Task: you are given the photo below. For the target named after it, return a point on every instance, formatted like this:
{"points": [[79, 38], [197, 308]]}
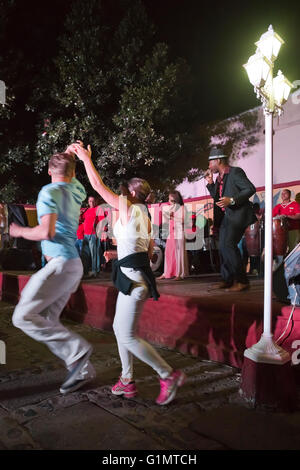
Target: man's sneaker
{"points": [[79, 365], [85, 375], [168, 387], [128, 390]]}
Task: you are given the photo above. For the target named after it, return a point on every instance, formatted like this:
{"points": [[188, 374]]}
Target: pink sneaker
{"points": [[128, 390], [168, 387]]}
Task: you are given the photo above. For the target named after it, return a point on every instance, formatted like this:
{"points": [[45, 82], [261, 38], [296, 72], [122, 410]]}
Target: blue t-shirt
{"points": [[63, 199]]}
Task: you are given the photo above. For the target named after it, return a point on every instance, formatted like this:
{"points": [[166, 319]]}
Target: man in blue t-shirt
{"points": [[48, 291]]}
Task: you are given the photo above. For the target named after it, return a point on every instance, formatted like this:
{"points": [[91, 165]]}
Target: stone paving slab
{"points": [[15, 437], [208, 412], [27, 413], [28, 388], [87, 427], [245, 429], [3, 413], [161, 423]]}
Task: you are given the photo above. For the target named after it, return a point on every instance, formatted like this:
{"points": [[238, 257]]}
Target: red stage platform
{"points": [[190, 316]]}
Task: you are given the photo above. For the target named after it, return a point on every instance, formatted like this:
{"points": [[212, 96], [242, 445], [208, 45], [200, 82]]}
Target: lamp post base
{"points": [[267, 351], [263, 383]]}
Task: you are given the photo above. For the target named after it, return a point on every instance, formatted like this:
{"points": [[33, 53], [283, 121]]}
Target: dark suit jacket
{"points": [[236, 185], [17, 214]]}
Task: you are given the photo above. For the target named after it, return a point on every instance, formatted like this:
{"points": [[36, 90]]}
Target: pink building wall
{"points": [[286, 153]]}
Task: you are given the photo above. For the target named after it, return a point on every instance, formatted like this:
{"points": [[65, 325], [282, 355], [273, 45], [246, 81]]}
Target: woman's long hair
{"points": [[141, 187]]}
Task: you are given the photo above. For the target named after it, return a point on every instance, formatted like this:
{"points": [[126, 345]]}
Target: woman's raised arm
{"points": [[85, 155]]}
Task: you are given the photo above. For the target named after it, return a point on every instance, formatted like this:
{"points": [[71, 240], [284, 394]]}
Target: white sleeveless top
{"points": [[133, 237]]}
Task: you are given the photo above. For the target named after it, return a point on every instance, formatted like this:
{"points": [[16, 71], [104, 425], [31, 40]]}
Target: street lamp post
{"points": [[273, 93]]}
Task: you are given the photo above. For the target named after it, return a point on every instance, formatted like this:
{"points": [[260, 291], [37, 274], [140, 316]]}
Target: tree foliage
{"points": [[23, 55], [96, 73], [10, 155], [117, 90]]}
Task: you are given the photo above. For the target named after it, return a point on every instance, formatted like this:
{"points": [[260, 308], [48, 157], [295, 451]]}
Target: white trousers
{"points": [[42, 301], [128, 310]]}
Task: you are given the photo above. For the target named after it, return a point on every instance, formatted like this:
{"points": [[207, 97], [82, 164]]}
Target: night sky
{"points": [[216, 38]]}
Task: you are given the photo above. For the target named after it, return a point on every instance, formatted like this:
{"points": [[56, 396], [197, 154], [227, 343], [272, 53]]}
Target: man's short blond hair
{"points": [[62, 164]]}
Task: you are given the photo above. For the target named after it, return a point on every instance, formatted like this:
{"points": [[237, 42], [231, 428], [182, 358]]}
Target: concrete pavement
{"points": [[207, 414]]}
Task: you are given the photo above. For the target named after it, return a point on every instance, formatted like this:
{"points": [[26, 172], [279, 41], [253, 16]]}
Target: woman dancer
{"points": [[176, 264], [132, 276]]}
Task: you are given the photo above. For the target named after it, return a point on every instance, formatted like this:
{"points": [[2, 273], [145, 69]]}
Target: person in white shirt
{"points": [[133, 234]]}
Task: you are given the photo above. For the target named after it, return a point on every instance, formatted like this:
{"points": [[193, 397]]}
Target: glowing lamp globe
{"points": [[281, 88], [258, 68], [269, 44]]}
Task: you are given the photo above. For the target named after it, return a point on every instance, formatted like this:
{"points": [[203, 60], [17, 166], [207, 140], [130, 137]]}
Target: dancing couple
{"points": [[47, 292]]}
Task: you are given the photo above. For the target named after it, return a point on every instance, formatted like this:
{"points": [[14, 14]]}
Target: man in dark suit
{"points": [[233, 212]]}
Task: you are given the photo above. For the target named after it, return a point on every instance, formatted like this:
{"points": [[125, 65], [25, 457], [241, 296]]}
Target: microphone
{"points": [[204, 174]]}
